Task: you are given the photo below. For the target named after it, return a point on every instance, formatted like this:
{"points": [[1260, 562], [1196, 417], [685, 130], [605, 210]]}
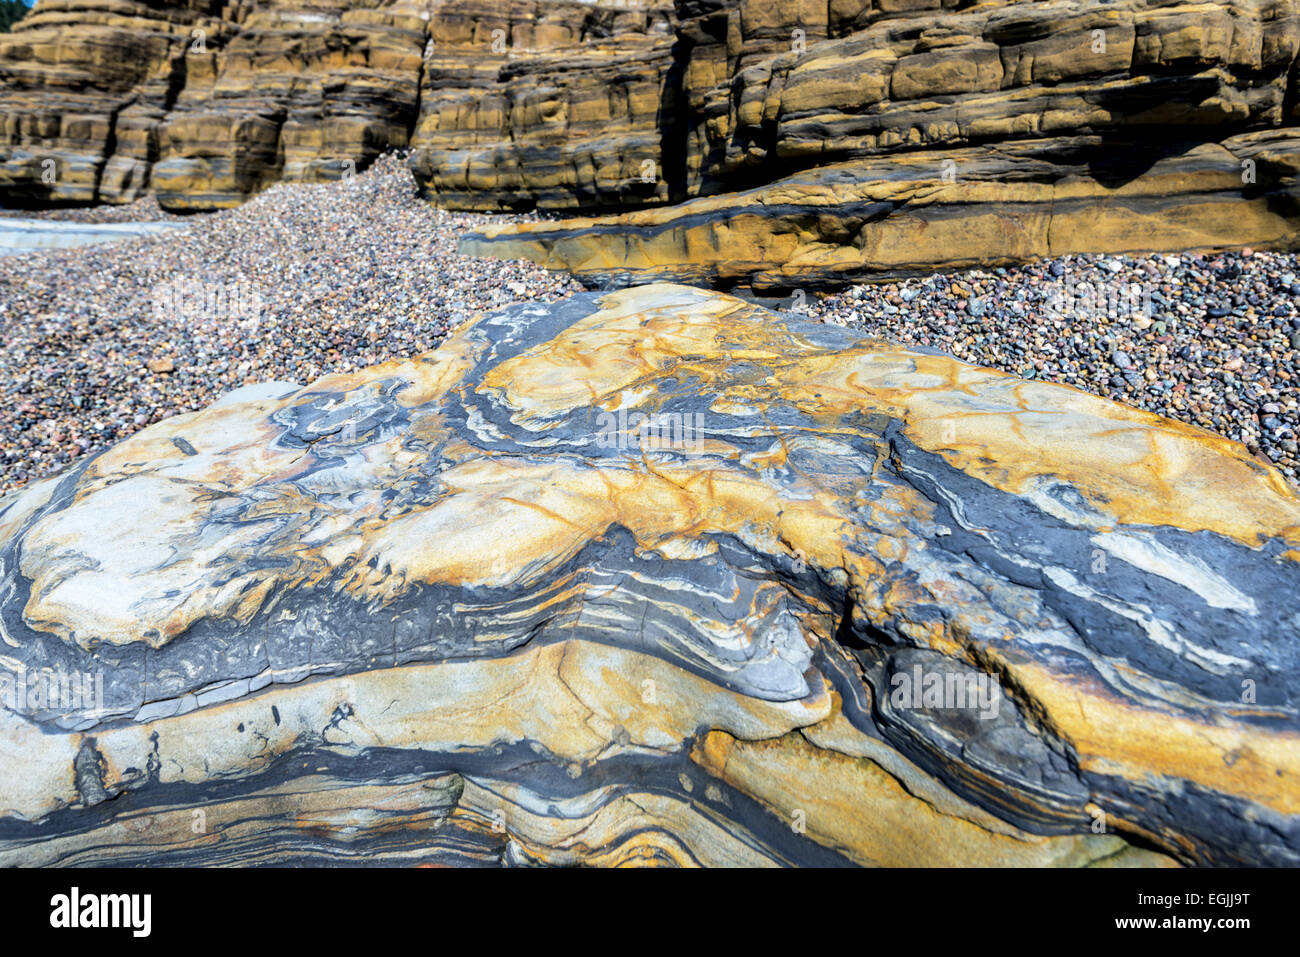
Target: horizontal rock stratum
{"points": [[903, 215], [654, 576], [518, 103], [827, 144]]}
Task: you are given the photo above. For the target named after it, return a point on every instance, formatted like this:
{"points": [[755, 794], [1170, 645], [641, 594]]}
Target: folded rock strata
{"points": [[655, 577]]}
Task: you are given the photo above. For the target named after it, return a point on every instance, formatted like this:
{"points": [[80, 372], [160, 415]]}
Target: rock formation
{"points": [[654, 576], [205, 103], [291, 91], [847, 140], [84, 86], [766, 144], [545, 103], [899, 215], [531, 102]]}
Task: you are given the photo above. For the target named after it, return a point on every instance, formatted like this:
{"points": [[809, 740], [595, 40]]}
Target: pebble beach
{"points": [[339, 276], [305, 280], [1208, 339]]}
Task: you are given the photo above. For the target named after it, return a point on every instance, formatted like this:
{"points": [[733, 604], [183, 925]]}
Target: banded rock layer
{"points": [[911, 213], [626, 106], [654, 577], [84, 87], [205, 102], [292, 91], [557, 104], [824, 143]]}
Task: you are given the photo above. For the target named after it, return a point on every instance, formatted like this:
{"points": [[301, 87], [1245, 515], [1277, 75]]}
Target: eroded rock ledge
{"points": [[913, 213], [825, 144], [460, 609]]}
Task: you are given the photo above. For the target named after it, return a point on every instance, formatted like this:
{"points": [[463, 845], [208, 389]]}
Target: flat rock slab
{"points": [[31, 235], [909, 215], [654, 576]]}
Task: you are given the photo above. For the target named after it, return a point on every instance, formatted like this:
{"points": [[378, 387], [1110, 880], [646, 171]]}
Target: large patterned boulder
{"points": [[655, 576]]}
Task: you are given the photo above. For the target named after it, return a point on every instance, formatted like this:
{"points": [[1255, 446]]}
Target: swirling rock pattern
{"points": [[655, 576]]}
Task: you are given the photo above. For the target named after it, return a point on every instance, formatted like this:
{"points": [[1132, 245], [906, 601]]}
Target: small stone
{"points": [[161, 365]]}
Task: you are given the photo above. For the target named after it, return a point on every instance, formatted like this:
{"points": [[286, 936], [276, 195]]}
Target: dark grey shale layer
{"points": [[308, 604]]}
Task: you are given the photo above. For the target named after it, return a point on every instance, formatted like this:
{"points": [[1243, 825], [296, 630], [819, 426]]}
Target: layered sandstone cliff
{"points": [[741, 142], [295, 92], [84, 88], [854, 139], [558, 104], [526, 103], [203, 106]]}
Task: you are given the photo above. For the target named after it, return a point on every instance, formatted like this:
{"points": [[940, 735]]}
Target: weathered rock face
{"points": [[542, 103], [808, 82], [923, 134], [910, 213], [83, 86], [821, 141], [293, 92], [205, 106], [655, 577], [534, 102]]}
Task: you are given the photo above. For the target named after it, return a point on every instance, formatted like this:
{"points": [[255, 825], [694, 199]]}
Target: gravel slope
{"points": [[301, 281]]}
